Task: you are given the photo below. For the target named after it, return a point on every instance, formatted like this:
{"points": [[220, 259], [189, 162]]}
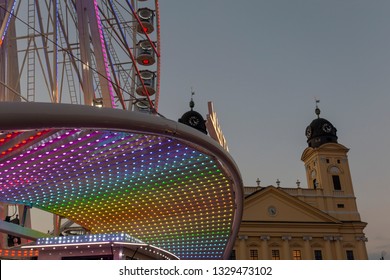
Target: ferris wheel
{"points": [[103, 53]]}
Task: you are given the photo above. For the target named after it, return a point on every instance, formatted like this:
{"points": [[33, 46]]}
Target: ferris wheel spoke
{"points": [[6, 20]]}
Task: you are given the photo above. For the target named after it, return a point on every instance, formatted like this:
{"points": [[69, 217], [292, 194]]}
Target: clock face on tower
{"points": [[193, 121], [308, 132], [327, 127]]}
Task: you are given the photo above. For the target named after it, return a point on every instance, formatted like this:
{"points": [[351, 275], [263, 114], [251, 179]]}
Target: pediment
{"points": [[296, 245], [316, 245], [274, 244], [261, 205], [253, 244], [348, 245]]}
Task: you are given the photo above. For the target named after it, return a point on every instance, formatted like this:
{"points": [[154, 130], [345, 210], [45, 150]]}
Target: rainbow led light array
{"points": [[154, 188], [93, 238]]}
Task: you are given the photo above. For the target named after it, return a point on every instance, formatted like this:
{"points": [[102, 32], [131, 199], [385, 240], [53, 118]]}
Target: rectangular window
{"points": [[350, 255], [340, 205], [336, 183], [317, 254], [253, 254], [233, 255], [297, 255], [275, 255]]}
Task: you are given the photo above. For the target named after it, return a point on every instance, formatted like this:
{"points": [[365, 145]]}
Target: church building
{"points": [[319, 222]]}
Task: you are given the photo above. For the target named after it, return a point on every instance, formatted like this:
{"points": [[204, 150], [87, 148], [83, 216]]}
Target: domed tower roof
{"points": [[320, 131], [193, 118]]}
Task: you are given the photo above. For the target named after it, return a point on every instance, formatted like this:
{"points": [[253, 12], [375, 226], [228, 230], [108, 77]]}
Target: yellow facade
{"points": [[318, 222]]}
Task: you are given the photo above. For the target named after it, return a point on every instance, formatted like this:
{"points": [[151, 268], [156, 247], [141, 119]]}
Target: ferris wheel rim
{"points": [[159, 58]]}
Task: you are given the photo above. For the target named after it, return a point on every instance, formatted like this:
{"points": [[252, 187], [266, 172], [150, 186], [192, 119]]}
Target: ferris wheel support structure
{"points": [[89, 20]]}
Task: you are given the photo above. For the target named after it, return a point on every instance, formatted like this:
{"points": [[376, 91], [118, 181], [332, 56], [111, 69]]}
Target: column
{"points": [[25, 219], [264, 247], [242, 252], [56, 225], [361, 248], [328, 249], [339, 251], [307, 253], [286, 255]]}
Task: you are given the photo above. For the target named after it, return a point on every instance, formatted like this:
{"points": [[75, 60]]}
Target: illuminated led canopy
{"points": [[94, 241], [114, 171]]}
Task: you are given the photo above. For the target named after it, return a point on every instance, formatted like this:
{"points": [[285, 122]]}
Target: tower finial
{"points": [[192, 103], [317, 110]]}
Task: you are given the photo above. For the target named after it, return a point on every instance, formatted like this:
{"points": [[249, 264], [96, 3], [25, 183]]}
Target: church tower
{"points": [[327, 170], [320, 222]]}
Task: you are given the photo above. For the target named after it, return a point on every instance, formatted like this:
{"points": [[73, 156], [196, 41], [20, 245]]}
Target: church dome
{"points": [[320, 131], [194, 119]]}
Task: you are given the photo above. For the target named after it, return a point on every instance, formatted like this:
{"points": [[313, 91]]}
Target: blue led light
{"points": [[93, 238]]}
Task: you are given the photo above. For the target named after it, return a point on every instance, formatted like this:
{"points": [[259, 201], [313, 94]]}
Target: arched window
{"points": [[336, 182]]}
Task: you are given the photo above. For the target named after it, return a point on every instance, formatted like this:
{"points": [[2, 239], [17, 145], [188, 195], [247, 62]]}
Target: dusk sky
{"points": [[263, 63]]}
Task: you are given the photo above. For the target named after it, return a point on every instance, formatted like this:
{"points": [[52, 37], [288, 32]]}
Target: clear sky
{"points": [[263, 63]]}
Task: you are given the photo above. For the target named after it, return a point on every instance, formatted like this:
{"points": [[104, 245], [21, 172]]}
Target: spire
{"points": [[192, 103], [317, 110]]}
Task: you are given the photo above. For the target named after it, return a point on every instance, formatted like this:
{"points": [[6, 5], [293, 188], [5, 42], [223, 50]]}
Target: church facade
{"points": [[318, 222]]}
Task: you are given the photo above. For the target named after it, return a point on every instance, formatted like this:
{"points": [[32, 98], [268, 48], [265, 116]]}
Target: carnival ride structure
{"points": [[106, 160]]}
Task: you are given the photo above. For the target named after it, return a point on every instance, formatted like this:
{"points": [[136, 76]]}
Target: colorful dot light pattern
{"points": [[10, 142], [157, 189], [93, 238]]}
